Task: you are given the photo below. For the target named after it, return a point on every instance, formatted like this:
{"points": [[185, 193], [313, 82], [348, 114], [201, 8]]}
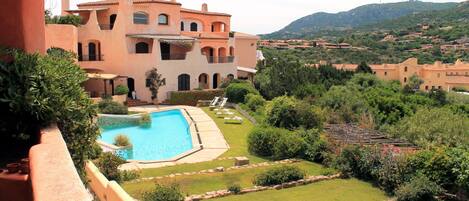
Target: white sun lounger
{"points": [[224, 112], [222, 105], [213, 103], [233, 120]]}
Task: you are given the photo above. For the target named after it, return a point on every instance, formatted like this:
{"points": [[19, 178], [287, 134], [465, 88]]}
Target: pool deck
{"points": [[213, 141]]}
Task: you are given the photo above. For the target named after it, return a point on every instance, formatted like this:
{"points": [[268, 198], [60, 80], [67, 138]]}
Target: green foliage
{"points": [[394, 171], [145, 120], [364, 81], [254, 101], [111, 107], [154, 82], [363, 68], [346, 103], [74, 20], [279, 175], [108, 164], [192, 97], [316, 149], [288, 145], [261, 140], [439, 96], [236, 92], [436, 126], [360, 162], [164, 193], [415, 82], [420, 188], [129, 175], [234, 188], [290, 113], [37, 90], [121, 90], [122, 140], [311, 91]]}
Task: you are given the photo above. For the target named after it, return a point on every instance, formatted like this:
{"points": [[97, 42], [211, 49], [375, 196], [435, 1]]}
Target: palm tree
{"points": [[154, 82]]}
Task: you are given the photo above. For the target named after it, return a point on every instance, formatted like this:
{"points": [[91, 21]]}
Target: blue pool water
{"points": [[167, 137]]}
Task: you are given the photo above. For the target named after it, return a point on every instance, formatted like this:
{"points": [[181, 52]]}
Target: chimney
{"points": [[204, 8], [65, 6]]}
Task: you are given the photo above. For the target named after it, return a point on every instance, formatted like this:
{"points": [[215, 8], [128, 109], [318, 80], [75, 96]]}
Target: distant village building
{"points": [[435, 76]]}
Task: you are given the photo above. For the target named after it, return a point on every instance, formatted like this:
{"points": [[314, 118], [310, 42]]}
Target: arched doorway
{"points": [[131, 86], [216, 80], [203, 81], [209, 52], [80, 52], [112, 20], [184, 82], [91, 52], [165, 51]]}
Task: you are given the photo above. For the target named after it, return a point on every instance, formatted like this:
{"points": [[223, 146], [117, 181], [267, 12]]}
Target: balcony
{"points": [[91, 57], [221, 60], [173, 56]]}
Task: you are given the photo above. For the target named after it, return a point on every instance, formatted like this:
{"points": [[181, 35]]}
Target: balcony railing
{"points": [[106, 26], [91, 57], [173, 56], [220, 60]]}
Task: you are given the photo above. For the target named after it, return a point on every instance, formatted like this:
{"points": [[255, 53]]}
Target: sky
{"points": [[261, 16]]}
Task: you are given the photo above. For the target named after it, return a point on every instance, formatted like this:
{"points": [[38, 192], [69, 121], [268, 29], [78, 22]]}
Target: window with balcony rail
{"points": [[228, 59]]}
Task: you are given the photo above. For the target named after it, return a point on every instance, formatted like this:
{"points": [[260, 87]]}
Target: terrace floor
{"points": [[213, 141]]}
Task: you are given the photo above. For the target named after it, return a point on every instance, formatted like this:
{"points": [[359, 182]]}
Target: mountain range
{"points": [[357, 17]]}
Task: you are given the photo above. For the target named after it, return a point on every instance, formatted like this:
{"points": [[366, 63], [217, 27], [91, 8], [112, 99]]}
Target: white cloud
{"points": [[262, 16]]}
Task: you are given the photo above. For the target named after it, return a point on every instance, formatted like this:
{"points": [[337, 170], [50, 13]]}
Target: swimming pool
{"points": [[167, 137]]}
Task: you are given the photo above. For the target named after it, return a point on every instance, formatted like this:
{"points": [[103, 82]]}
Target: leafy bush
{"points": [[227, 82], [279, 175], [129, 175], [122, 140], [309, 90], [316, 148], [254, 101], [345, 102], [164, 193], [121, 90], [111, 107], [38, 90], [281, 112], [192, 97], [234, 188], [108, 164], [364, 81], [74, 20], [236, 92], [394, 171], [145, 120], [420, 188], [261, 140], [288, 145], [290, 113], [361, 162]]}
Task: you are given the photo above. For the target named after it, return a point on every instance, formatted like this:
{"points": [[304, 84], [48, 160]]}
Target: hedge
{"points": [[192, 97]]}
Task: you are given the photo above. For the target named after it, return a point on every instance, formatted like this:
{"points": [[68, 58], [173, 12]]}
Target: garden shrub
{"points": [[227, 82], [420, 188], [360, 162], [316, 148], [236, 92], [394, 171], [164, 193], [254, 101], [309, 91], [261, 140], [192, 97], [74, 20], [279, 175], [121, 90], [347, 103], [234, 188], [281, 112], [38, 90], [122, 140], [288, 145], [129, 175], [111, 107], [108, 164], [308, 117]]}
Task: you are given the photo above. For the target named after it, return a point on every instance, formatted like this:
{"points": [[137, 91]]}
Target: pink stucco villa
{"points": [[120, 40]]}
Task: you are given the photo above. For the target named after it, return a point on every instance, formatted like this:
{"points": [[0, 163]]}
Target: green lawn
{"points": [[217, 181], [332, 190]]}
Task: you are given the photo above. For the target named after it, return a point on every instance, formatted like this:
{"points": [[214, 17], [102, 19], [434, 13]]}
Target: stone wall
{"points": [[104, 189]]}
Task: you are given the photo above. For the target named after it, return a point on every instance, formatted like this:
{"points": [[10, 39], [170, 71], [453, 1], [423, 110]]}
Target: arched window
{"points": [[163, 19], [140, 18], [405, 80], [405, 69], [141, 48], [182, 26], [230, 76], [184, 82], [194, 26]]}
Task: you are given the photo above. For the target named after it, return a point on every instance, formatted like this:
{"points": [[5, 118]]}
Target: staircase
{"points": [[136, 102]]}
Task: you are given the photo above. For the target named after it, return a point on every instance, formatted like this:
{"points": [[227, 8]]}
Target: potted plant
{"points": [[154, 82], [121, 92]]}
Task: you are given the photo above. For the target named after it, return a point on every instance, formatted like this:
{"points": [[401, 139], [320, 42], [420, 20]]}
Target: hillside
{"points": [[360, 16]]}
